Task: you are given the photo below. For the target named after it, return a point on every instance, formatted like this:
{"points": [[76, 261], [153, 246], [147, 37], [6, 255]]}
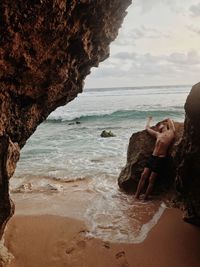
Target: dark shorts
{"points": [[156, 164]]}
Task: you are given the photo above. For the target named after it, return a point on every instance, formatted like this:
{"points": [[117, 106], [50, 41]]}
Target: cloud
{"points": [[188, 59], [128, 65], [176, 6], [195, 10], [147, 5], [192, 57], [194, 29], [149, 33], [156, 49], [142, 32], [125, 56]]}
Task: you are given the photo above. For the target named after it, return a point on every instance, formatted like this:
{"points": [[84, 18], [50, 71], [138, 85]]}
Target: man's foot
{"points": [[136, 197], [148, 198]]}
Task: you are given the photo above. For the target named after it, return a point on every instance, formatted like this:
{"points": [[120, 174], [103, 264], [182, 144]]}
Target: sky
{"points": [[158, 44]]}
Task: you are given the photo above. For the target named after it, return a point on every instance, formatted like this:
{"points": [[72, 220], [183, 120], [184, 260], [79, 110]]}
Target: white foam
{"points": [[114, 216], [146, 228]]}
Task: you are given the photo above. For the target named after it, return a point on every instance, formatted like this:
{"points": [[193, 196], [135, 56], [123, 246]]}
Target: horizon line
{"points": [[144, 86]]}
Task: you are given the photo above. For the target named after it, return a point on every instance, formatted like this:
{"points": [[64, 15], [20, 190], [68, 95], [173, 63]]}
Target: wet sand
{"points": [[49, 240]]}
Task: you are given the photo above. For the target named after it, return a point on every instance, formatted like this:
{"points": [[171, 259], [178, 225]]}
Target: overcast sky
{"points": [[158, 44]]}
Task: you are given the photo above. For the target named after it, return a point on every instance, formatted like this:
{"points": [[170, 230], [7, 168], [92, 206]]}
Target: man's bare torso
{"points": [[163, 142]]}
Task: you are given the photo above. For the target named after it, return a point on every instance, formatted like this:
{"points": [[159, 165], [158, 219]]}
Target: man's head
{"points": [[162, 127]]}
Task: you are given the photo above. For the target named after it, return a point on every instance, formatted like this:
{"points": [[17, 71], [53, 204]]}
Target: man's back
{"points": [[163, 142]]}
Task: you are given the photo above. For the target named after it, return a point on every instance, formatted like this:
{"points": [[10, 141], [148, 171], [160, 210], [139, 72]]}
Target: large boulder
{"points": [[188, 158], [140, 148]]}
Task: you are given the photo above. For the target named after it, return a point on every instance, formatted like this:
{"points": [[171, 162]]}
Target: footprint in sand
{"points": [[122, 262], [69, 250], [81, 244], [106, 244]]}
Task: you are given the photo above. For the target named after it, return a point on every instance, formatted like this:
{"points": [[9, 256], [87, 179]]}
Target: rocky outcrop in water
{"points": [[188, 156], [140, 148], [47, 48], [106, 134]]}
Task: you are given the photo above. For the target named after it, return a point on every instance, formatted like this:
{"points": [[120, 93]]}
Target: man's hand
{"points": [[148, 122], [171, 125], [148, 128]]}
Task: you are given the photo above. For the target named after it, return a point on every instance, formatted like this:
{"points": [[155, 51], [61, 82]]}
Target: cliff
{"points": [[188, 157], [47, 48], [140, 148]]}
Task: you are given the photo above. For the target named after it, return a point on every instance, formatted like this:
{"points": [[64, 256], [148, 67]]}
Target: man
{"points": [[156, 162]]}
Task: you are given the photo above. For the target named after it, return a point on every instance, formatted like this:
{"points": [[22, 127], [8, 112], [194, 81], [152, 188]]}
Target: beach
{"points": [[67, 148], [37, 239], [99, 133], [69, 208]]}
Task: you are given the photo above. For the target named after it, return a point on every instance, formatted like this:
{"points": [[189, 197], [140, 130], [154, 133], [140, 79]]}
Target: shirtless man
{"points": [[156, 162]]}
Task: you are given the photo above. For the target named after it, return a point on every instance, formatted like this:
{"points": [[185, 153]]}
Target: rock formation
{"points": [[185, 167], [188, 157], [47, 48], [140, 148], [106, 134]]}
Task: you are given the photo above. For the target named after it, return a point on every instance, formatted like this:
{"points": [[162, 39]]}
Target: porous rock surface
{"points": [[188, 156], [47, 48], [140, 148]]}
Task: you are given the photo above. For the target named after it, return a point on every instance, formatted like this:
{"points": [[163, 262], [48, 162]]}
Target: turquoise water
{"points": [[66, 150]]}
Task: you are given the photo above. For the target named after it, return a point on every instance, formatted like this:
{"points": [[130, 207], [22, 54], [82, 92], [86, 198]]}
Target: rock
{"points": [[107, 134], [188, 158], [140, 148], [5, 256], [73, 123], [47, 49]]}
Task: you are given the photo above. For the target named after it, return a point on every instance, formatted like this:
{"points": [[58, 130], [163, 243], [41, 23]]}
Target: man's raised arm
{"points": [[171, 125], [149, 130]]}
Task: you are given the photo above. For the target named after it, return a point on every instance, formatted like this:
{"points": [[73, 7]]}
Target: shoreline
{"points": [[49, 240], [113, 215], [51, 230]]}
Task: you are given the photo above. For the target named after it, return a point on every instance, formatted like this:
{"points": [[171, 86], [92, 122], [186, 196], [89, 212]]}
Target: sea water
{"points": [[68, 147]]}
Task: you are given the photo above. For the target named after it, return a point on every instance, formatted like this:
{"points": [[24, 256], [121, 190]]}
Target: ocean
{"points": [[67, 147]]}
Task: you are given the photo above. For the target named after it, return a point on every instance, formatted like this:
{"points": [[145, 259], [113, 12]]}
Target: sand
{"points": [[49, 240], [50, 230]]}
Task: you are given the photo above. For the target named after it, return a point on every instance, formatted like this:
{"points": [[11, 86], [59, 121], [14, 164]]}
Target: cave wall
{"points": [[47, 48], [188, 157]]}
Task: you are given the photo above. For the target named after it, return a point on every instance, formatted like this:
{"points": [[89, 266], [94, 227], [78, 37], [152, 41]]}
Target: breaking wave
{"points": [[174, 111]]}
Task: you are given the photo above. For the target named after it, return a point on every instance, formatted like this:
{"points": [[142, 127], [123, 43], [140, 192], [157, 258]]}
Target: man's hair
{"points": [[164, 122]]}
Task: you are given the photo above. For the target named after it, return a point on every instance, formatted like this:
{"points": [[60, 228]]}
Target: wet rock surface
{"points": [[188, 158], [140, 148], [106, 134]]}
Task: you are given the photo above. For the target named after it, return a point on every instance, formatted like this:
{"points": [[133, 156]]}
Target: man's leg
{"points": [[152, 179], [143, 178]]}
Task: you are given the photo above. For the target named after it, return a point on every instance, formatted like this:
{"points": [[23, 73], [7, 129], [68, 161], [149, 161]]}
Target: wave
{"points": [[43, 184], [175, 111]]}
